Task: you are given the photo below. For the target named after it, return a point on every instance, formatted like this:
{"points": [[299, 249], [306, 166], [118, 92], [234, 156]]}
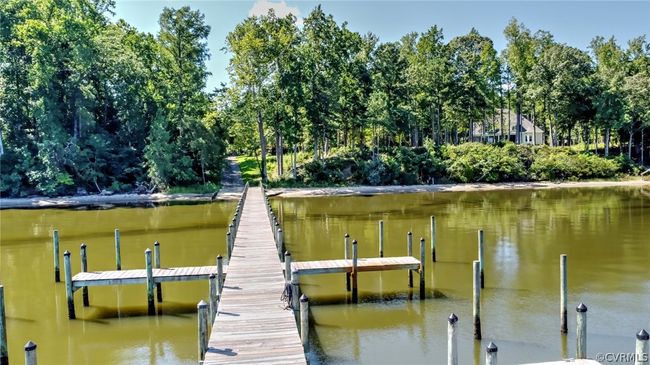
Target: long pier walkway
{"points": [[252, 325]]}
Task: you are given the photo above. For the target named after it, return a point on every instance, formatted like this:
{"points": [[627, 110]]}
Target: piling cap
{"points": [[202, 304], [304, 299], [347, 235], [30, 346], [219, 257], [491, 348], [421, 239], [156, 243], [279, 229], [83, 245], [66, 253], [581, 308], [212, 276], [410, 233], [642, 335], [452, 318], [287, 253], [148, 250], [228, 234], [354, 242]]}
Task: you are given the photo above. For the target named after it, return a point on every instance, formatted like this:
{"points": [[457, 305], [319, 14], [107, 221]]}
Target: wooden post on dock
{"points": [[346, 243], [452, 341], [563, 294], [118, 254], [354, 274], [476, 308], [202, 309], [433, 238], [228, 246], [30, 353], [280, 241], [581, 332], [156, 259], [213, 297], [491, 354], [304, 322], [422, 272], [219, 275], [151, 307], [409, 252], [55, 246], [4, 352], [381, 238], [234, 228], [231, 230], [287, 266], [480, 256], [68, 284], [295, 291], [642, 348], [84, 268]]}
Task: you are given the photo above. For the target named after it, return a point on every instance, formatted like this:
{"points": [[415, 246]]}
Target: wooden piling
{"points": [[563, 294], [55, 246], [287, 266], [280, 241], [480, 256], [581, 331], [118, 254], [642, 348], [30, 353], [354, 274], [295, 291], [234, 229], [304, 322], [476, 308], [422, 271], [381, 238], [452, 340], [151, 307], [409, 252], [219, 275], [67, 268], [202, 309], [4, 352], [433, 239], [84, 268], [213, 297], [156, 258], [491, 354], [231, 230], [346, 243], [228, 246]]}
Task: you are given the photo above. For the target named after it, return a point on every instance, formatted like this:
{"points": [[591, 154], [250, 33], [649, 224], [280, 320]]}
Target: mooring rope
{"points": [[287, 294]]}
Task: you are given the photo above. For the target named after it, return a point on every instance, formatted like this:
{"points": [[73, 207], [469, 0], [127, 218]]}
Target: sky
{"points": [[575, 23]]}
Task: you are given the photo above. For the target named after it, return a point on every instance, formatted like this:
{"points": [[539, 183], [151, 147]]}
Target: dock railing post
{"points": [[287, 266], [202, 309], [156, 259], [118, 253], [563, 294], [30, 353], [151, 307], [67, 268], [476, 307], [4, 352], [452, 341], [409, 252], [213, 297], [304, 322], [491, 354], [55, 246], [642, 348], [84, 268], [581, 331], [346, 243], [295, 291], [354, 274], [433, 239], [422, 271], [381, 238], [480, 256], [219, 275]]}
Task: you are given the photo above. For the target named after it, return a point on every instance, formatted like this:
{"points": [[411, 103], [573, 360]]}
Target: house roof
{"points": [[526, 124]]}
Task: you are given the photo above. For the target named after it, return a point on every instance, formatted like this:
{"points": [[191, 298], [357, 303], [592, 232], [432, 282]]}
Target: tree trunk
{"points": [[260, 130], [534, 131], [629, 145], [518, 124], [278, 153], [606, 141], [294, 169], [642, 151]]}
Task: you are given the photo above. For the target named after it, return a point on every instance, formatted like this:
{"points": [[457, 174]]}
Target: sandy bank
{"points": [[373, 190]]}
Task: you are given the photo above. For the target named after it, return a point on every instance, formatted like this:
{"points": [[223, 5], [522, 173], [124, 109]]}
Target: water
{"points": [[605, 233], [115, 328]]}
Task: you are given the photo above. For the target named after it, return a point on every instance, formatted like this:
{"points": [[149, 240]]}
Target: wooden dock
{"points": [[252, 325], [139, 276], [345, 266]]}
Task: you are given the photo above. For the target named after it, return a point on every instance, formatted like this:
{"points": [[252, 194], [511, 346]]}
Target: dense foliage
{"points": [[90, 105]]}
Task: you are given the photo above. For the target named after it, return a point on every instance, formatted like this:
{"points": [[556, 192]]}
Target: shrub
{"points": [[477, 162], [564, 165]]}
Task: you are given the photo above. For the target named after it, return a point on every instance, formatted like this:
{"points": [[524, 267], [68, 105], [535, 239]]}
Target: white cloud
{"points": [[262, 7]]}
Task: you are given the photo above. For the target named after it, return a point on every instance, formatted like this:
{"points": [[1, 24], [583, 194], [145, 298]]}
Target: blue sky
{"points": [[574, 22]]}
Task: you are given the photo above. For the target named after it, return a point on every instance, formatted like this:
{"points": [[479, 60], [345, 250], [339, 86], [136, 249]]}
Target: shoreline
{"points": [[404, 189]]}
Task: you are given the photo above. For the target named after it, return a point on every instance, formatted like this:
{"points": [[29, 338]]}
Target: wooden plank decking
{"points": [[252, 325], [139, 276], [342, 266]]}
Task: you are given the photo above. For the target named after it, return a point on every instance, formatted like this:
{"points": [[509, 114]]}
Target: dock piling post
{"points": [[476, 308], [219, 275], [422, 272], [452, 341], [642, 348], [55, 246], [491, 354], [151, 307], [280, 241], [228, 246], [581, 331], [480, 256], [354, 274], [213, 297], [409, 252], [4, 353], [304, 322], [433, 239], [30, 353], [563, 294], [156, 258], [381, 238], [346, 243], [287, 266], [118, 253], [84, 268], [295, 292], [68, 284], [202, 309]]}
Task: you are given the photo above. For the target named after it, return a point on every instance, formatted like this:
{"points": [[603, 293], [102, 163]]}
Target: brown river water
{"points": [[605, 232]]}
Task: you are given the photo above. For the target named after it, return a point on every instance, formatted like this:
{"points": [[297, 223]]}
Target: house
{"points": [[529, 133]]}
